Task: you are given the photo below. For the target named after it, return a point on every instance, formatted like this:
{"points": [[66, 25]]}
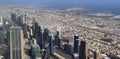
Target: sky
{"points": [[62, 3]]}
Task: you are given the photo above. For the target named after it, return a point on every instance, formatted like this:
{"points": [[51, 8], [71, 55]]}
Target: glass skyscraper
{"points": [[16, 43]]}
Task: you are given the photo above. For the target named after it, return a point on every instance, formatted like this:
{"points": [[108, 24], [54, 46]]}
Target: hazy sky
{"points": [[63, 2]]}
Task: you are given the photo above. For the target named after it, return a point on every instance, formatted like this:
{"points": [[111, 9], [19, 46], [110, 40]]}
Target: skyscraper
{"points": [[76, 43], [13, 17], [41, 40], [35, 28], [43, 37], [40, 37], [51, 44], [45, 34], [25, 30], [83, 50], [16, 43], [21, 20], [35, 50], [2, 36], [96, 54], [69, 48], [57, 38], [1, 21]]}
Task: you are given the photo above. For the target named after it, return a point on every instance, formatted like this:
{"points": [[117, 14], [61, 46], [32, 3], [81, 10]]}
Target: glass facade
{"points": [[16, 42]]}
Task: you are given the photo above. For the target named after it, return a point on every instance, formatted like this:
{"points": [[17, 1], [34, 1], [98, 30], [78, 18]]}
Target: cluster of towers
{"points": [[42, 42]]}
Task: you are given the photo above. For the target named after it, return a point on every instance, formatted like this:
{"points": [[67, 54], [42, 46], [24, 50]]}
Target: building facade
{"points": [[16, 43]]}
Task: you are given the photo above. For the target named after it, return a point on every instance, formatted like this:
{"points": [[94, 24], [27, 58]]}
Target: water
{"points": [[103, 6]]}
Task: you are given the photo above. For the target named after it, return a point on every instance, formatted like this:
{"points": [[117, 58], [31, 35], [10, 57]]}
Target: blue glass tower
{"points": [[76, 41], [51, 44], [13, 17], [57, 39]]}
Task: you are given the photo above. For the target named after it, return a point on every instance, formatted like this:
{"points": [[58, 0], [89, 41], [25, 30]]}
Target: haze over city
{"points": [[59, 29], [67, 3]]}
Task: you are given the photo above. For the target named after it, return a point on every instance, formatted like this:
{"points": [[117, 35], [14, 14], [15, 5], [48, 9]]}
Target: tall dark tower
{"points": [[35, 28], [57, 38], [51, 44], [25, 18], [25, 30], [40, 38], [45, 35], [39, 33], [76, 43], [83, 50], [2, 36], [13, 17], [19, 22]]}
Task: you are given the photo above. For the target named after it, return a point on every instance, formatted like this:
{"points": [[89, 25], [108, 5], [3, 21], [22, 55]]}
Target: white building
{"points": [[1, 21]]}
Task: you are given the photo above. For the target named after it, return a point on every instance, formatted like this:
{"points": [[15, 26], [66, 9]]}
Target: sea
{"points": [[93, 6]]}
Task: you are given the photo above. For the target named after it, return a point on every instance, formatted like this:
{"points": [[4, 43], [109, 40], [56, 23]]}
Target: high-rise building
{"points": [[69, 48], [25, 26], [8, 34], [25, 17], [31, 33], [76, 41], [51, 44], [40, 37], [46, 53], [96, 54], [1, 21], [35, 28], [35, 50], [45, 34], [43, 37], [83, 50], [2, 31], [21, 20], [16, 43], [2, 36], [25, 29], [57, 38], [13, 17]]}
